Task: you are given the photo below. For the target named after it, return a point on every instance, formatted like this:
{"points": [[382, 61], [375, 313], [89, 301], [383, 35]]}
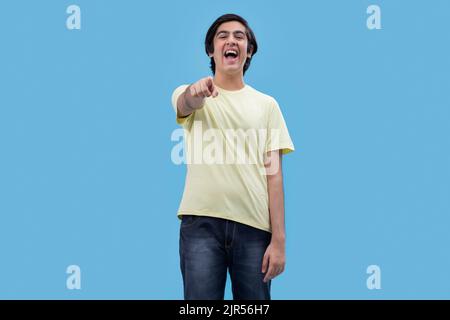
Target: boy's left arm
{"points": [[275, 258]]}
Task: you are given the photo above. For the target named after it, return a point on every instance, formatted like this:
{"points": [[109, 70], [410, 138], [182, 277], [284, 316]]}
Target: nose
{"points": [[231, 42]]}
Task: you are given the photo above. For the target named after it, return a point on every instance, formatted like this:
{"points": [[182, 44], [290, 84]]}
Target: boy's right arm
{"points": [[194, 95]]}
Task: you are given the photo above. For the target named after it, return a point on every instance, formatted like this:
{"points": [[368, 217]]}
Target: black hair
{"points": [[209, 39]]}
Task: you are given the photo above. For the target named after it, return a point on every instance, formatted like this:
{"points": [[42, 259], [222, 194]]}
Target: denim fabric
{"points": [[209, 247]]}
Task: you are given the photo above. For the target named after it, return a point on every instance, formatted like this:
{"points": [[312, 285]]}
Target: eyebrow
{"points": [[234, 32]]}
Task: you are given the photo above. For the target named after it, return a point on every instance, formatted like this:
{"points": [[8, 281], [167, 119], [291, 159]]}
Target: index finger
{"points": [[209, 83], [212, 88]]}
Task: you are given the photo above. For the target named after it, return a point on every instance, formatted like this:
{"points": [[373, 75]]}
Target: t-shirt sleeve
{"points": [[278, 137], [183, 121]]}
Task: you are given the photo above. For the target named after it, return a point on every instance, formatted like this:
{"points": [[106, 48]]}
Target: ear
{"points": [[250, 52]]}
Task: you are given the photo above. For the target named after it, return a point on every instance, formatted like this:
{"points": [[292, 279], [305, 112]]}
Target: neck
{"points": [[229, 82]]}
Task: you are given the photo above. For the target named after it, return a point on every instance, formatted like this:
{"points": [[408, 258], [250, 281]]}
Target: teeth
{"points": [[231, 51]]}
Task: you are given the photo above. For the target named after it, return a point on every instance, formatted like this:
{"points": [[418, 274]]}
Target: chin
{"points": [[232, 70]]}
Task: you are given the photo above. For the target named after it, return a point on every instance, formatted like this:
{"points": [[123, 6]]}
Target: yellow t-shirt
{"points": [[225, 142]]}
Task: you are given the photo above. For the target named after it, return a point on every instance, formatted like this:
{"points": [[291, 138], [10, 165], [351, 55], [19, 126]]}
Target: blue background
{"points": [[86, 176]]}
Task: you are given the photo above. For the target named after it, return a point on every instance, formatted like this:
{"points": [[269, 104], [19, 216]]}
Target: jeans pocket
{"points": [[188, 220]]}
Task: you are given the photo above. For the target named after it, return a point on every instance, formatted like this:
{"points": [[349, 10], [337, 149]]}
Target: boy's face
{"points": [[230, 48]]}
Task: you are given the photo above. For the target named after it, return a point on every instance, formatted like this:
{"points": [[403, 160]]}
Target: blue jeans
{"points": [[209, 247]]}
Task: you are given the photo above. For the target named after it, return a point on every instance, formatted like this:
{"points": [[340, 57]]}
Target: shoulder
{"points": [[263, 98], [180, 88], [177, 92]]}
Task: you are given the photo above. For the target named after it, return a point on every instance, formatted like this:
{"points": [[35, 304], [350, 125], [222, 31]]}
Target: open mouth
{"points": [[231, 55]]}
